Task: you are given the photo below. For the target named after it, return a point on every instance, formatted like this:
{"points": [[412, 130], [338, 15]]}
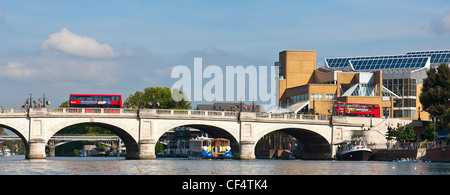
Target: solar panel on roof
{"points": [[386, 63], [427, 52], [413, 59]]}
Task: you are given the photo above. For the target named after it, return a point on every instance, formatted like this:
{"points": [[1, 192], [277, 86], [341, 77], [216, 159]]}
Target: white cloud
{"points": [[16, 71], [70, 43], [442, 25]]}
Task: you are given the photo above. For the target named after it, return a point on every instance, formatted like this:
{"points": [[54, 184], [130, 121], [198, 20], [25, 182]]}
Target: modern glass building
{"points": [[402, 75], [394, 82]]}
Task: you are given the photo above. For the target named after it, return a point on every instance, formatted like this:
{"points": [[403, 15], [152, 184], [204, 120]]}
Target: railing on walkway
{"points": [[71, 137], [416, 145], [163, 112]]}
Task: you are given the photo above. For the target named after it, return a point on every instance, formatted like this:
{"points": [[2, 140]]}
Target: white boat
{"points": [[6, 152], [355, 149]]}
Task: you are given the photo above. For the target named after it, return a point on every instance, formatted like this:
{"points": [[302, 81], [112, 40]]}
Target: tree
{"points": [[157, 97], [445, 118], [429, 131], [64, 104], [390, 133], [436, 91], [404, 133]]}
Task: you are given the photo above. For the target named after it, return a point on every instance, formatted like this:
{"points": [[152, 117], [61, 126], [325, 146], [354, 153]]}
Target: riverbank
{"points": [[433, 155]]}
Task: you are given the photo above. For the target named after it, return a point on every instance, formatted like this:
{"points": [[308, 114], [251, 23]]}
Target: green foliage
{"points": [[436, 92], [402, 133], [390, 133], [429, 132], [64, 104], [158, 148], [13, 145], [445, 118], [157, 97]]}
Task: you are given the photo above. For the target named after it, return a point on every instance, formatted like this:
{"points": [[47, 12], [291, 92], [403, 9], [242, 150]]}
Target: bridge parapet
{"points": [[13, 112], [206, 114], [158, 113]]}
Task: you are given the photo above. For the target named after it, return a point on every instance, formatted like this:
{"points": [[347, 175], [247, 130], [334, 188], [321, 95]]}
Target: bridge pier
{"points": [[147, 149], [51, 148], [37, 149], [248, 150]]}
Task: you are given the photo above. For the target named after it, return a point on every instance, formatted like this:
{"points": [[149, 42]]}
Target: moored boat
{"points": [[355, 149], [209, 148]]}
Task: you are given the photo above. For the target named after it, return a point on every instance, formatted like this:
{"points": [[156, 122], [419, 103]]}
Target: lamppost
{"points": [[44, 101], [253, 105], [240, 106], [435, 119], [31, 99]]}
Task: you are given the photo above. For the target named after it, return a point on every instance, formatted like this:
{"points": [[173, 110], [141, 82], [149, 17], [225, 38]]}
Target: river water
{"points": [[18, 165]]}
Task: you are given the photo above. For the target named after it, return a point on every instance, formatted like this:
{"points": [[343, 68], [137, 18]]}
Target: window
{"points": [[316, 96], [330, 97], [304, 97]]}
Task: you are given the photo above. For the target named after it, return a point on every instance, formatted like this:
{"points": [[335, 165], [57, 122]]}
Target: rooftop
{"points": [[410, 61]]}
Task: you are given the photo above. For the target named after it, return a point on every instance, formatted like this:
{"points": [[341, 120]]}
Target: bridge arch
{"points": [[18, 133], [212, 128], [124, 133], [315, 144]]}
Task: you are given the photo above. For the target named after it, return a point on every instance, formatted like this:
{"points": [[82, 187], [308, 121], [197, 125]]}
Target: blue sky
{"points": [[124, 46]]}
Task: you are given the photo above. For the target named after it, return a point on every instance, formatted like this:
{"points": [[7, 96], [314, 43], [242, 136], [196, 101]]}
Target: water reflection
{"points": [[117, 166]]}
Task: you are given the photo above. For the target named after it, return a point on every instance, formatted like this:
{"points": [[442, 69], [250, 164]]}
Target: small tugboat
{"points": [[355, 150], [209, 148]]}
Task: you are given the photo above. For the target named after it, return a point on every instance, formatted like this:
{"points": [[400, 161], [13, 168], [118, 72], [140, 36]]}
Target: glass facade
{"points": [[402, 86], [298, 98], [405, 88]]}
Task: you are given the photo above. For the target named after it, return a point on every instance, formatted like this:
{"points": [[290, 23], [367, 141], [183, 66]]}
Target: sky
{"points": [[63, 47]]}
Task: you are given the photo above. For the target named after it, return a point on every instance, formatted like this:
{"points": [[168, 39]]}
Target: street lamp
{"points": [[31, 99], [44, 100], [435, 119], [253, 106]]}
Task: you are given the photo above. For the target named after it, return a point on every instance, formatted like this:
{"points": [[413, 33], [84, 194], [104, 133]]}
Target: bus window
{"points": [[375, 106], [363, 106], [341, 105], [370, 106], [355, 106], [348, 105]]}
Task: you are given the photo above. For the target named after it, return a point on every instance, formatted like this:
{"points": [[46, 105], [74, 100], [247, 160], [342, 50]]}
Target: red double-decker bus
{"points": [[95, 101], [356, 109]]}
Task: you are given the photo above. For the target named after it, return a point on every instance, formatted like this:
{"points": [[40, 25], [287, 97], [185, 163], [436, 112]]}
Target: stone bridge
{"points": [[141, 129]]}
